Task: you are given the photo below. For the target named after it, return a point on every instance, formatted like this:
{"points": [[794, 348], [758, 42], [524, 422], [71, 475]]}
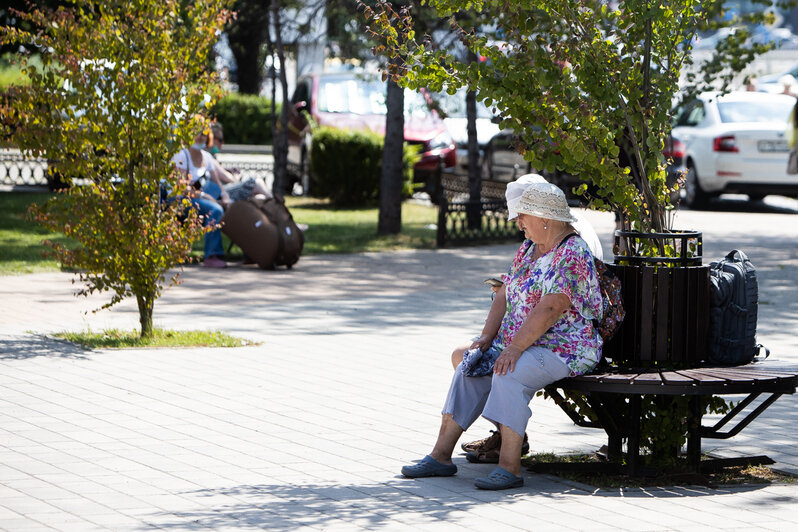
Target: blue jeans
{"points": [[212, 214]]}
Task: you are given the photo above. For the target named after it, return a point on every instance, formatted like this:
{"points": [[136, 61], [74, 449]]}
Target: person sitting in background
{"points": [[207, 194], [486, 450], [539, 329], [237, 189]]}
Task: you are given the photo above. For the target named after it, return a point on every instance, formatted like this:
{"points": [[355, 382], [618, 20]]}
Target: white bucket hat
{"points": [[514, 190], [544, 200]]}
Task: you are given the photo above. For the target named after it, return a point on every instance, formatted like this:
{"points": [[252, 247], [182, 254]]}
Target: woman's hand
{"points": [[482, 343], [224, 200], [507, 359]]}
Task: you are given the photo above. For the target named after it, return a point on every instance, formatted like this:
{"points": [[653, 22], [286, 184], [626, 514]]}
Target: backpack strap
{"points": [[758, 350], [566, 238]]}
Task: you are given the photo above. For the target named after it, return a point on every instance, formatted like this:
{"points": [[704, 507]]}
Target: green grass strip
{"points": [[116, 339]]}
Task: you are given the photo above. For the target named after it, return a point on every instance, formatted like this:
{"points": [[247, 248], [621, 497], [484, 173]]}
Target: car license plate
{"points": [[773, 146]]}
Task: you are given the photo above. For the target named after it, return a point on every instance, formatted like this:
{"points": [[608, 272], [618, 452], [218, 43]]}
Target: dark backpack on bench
{"points": [[734, 302]]}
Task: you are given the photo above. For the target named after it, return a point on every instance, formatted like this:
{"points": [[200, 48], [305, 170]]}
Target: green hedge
{"points": [[346, 166], [246, 118]]}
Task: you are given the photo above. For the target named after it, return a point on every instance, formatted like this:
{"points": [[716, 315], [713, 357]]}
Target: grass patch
{"points": [[11, 72], [114, 338], [331, 230], [21, 248], [677, 476]]}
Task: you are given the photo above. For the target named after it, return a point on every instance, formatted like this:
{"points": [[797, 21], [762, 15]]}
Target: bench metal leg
{"points": [[610, 421], [694, 434], [714, 432], [633, 443]]}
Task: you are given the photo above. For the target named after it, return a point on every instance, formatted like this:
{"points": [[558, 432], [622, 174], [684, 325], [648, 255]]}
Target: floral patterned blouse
{"points": [[568, 269]]}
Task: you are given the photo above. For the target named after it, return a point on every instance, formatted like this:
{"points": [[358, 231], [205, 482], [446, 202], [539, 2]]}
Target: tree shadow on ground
{"points": [[374, 505], [736, 203], [30, 346]]}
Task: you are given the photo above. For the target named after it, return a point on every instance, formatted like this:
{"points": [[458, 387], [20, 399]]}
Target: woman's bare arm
{"points": [[493, 321]]}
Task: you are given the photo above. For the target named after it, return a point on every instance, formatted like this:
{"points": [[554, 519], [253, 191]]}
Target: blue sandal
{"points": [[429, 467], [499, 479]]}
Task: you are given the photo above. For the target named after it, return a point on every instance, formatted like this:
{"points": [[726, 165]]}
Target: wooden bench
{"points": [[602, 389], [666, 326]]}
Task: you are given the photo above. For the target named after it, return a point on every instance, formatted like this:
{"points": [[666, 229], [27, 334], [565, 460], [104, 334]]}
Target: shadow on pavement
{"points": [[735, 204], [30, 346], [374, 505]]}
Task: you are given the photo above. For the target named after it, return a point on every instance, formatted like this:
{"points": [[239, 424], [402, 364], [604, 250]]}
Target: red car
{"points": [[351, 100]]}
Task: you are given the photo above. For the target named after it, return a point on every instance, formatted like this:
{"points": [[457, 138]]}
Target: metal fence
{"points": [[18, 170], [463, 222], [250, 166], [455, 188]]}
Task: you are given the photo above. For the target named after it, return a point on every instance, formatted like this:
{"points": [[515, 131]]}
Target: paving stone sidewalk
{"points": [[308, 429]]}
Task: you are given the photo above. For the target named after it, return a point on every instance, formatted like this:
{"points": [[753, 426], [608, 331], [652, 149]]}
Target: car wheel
{"points": [[694, 196]]}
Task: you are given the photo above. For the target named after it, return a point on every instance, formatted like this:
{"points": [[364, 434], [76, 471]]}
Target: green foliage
{"points": [[11, 72], [113, 100], [664, 424], [246, 118], [588, 89], [346, 165]]}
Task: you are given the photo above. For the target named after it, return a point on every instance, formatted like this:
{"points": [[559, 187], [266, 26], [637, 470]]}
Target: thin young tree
{"points": [[116, 97]]}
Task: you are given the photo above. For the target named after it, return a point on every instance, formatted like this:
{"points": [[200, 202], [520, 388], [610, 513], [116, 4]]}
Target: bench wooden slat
{"points": [[646, 316], [697, 381], [680, 322], [723, 373], [676, 377], [608, 377], [742, 372], [647, 378], [663, 300], [703, 377], [759, 373]]}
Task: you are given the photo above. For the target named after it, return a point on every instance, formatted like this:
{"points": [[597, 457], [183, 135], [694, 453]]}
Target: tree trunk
{"points": [[474, 212], [390, 217], [248, 69], [145, 302], [246, 35], [280, 148]]}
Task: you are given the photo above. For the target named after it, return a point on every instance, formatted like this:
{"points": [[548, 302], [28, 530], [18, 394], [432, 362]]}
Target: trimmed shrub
{"points": [[246, 118], [346, 166]]}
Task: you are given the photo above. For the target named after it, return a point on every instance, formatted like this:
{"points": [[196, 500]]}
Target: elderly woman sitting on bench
{"points": [[539, 330]]}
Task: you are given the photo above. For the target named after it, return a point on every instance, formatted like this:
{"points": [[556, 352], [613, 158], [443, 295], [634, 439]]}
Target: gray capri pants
{"points": [[504, 399]]}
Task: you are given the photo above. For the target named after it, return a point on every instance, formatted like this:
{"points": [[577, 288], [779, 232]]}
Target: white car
{"points": [[735, 143]]}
